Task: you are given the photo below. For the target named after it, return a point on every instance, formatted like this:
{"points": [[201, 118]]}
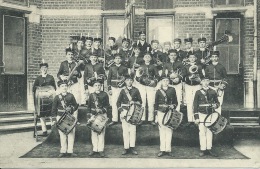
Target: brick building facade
{"points": [[51, 22]]}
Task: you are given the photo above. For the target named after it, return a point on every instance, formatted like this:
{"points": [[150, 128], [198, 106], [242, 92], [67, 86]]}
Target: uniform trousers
{"points": [[205, 134], [67, 141], [129, 131], [115, 94], [43, 123], [190, 94], [220, 99], [82, 96], [75, 90], [149, 93], [178, 89], [165, 134], [98, 140]]}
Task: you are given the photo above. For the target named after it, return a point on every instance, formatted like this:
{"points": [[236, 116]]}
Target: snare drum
{"points": [[97, 123], [134, 114], [215, 122], [66, 123], [172, 119]]}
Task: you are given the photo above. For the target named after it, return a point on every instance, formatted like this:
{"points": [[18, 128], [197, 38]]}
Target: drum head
{"points": [[210, 119], [167, 117], [130, 112]]}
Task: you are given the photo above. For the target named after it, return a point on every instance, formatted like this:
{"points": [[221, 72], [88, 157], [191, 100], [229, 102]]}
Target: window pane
{"points": [[14, 40], [18, 2], [163, 31], [159, 4], [114, 4], [229, 2], [114, 27]]}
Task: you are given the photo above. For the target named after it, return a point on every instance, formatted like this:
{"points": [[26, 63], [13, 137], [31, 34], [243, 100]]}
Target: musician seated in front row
{"points": [[165, 99], [43, 80], [98, 104], [65, 102], [192, 74], [128, 96], [205, 101]]}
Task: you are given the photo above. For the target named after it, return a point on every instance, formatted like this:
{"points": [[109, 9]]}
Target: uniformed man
{"points": [[115, 82], [98, 50], [188, 49], [77, 51], [217, 74], [129, 95], [43, 80], [112, 46], [147, 76], [166, 47], [165, 99], [125, 51], [192, 74], [70, 106], [173, 70], [202, 53], [98, 104], [93, 71], [177, 47], [88, 50], [205, 101], [157, 56], [135, 61], [67, 70], [142, 44]]}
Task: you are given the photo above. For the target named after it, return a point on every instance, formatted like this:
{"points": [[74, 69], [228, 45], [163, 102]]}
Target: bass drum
{"points": [[44, 97]]}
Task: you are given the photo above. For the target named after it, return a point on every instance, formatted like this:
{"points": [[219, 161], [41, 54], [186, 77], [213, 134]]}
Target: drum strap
{"points": [[128, 94], [164, 95], [204, 93], [95, 99], [62, 101]]}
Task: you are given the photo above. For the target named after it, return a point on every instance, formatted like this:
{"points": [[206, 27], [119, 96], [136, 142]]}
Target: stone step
{"points": [[16, 119], [17, 127], [244, 118], [16, 114], [245, 124]]}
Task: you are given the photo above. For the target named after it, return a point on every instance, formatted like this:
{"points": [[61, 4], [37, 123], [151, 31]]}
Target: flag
{"points": [[129, 19]]}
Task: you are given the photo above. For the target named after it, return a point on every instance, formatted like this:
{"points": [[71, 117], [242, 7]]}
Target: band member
{"points": [[173, 69], [189, 49], [135, 61], [98, 50], [112, 46], [70, 106], [166, 47], [77, 51], [177, 47], [116, 76], [147, 76], [142, 44], [93, 71], [69, 70], [205, 102], [165, 99], [129, 95], [98, 104], [217, 75], [43, 80], [157, 55], [125, 51], [202, 53], [88, 50], [192, 74]]}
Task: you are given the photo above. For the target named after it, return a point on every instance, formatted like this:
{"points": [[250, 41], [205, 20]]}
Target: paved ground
{"points": [[12, 146]]}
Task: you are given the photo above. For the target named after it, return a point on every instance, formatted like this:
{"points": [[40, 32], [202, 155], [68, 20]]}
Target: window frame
{"points": [[146, 6], [104, 6], [227, 4], [25, 3]]}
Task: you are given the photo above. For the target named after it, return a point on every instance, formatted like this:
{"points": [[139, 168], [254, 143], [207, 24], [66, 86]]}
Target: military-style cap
{"points": [[154, 41], [202, 39], [112, 38], [89, 38], [60, 82], [76, 38], [44, 64], [177, 40], [98, 39], [167, 43], [164, 77], [172, 51], [214, 53], [101, 81], [115, 47], [117, 55], [68, 50], [142, 32], [125, 40], [188, 40], [127, 76]]}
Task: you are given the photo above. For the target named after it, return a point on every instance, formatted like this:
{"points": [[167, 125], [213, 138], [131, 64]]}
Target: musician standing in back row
{"points": [[98, 49], [43, 80], [87, 50], [125, 51], [128, 96], [188, 49], [202, 53], [217, 75], [205, 101], [69, 70], [177, 47], [142, 44], [165, 99], [192, 74], [157, 55], [115, 82]]}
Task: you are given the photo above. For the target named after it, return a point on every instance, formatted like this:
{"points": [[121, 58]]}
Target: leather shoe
{"points": [[125, 152], [202, 153], [133, 151], [61, 155], [209, 152], [91, 153], [160, 154], [102, 154], [44, 133], [72, 155], [153, 123], [170, 154]]}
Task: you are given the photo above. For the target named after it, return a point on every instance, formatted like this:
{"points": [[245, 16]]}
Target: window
{"points": [[113, 27], [159, 4], [163, 31], [17, 2], [228, 3], [114, 4], [229, 52]]}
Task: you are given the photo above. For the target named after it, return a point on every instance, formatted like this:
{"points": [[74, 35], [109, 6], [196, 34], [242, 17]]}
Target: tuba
{"points": [[194, 78]]}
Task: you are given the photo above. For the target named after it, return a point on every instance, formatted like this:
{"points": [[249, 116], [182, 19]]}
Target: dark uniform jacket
{"points": [[87, 53], [125, 55], [215, 72], [99, 52], [173, 67], [161, 101], [138, 60], [203, 96], [151, 71], [187, 53], [89, 71], [66, 68], [57, 108], [78, 55], [123, 99], [44, 81], [115, 73], [180, 55], [201, 55], [102, 100], [186, 74], [143, 48]]}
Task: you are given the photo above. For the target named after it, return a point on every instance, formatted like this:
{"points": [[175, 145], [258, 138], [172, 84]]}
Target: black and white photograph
{"points": [[129, 83]]}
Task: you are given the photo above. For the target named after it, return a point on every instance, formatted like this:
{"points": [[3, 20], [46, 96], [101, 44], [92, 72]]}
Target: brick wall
{"points": [[192, 3], [71, 4]]}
